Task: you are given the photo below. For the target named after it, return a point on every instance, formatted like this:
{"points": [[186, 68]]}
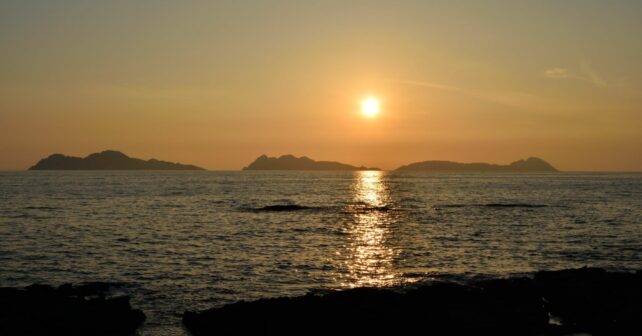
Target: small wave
{"points": [[492, 205], [361, 207], [514, 205], [370, 208], [95, 289], [170, 205], [170, 193], [40, 208], [21, 215]]}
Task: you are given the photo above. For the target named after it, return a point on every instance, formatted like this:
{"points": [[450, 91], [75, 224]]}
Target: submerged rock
{"points": [[283, 207], [66, 310], [586, 300]]}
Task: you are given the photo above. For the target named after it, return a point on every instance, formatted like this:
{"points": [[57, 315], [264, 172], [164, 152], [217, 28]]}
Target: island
{"points": [[530, 165], [106, 160], [291, 162]]}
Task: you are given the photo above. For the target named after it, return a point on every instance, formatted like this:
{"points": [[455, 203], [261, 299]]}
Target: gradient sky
{"points": [[218, 83]]}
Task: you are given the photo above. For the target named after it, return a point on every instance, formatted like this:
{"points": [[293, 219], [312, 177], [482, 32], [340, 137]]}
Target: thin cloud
{"points": [[429, 85], [144, 92], [591, 75], [586, 73], [557, 73], [512, 99]]}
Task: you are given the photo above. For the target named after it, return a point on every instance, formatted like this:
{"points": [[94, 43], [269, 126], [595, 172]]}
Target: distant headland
{"points": [[531, 164], [290, 162], [106, 160]]}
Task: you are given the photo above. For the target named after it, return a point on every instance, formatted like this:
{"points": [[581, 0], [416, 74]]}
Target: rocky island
{"points": [[106, 160], [290, 162], [529, 165]]}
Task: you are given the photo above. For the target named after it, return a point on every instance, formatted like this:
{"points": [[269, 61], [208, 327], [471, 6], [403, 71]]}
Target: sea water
{"points": [[183, 241]]}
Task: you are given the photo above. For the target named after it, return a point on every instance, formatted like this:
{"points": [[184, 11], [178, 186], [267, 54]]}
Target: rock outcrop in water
{"points": [[106, 160], [282, 208], [290, 162], [66, 310], [531, 164], [587, 300]]}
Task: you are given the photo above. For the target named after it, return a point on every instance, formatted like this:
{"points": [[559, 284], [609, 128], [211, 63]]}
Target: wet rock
{"points": [[283, 207], [438, 309], [66, 310], [594, 301], [586, 300]]}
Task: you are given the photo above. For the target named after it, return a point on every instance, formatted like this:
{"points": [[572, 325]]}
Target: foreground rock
{"points": [[66, 310], [290, 162], [552, 303], [106, 160]]}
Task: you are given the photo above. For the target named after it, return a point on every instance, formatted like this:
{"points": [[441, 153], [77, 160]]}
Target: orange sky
{"points": [[217, 84]]}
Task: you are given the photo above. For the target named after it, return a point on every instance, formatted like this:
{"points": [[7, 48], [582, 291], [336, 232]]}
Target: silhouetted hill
{"points": [[106, 160], [290, 162], [531, 164]]}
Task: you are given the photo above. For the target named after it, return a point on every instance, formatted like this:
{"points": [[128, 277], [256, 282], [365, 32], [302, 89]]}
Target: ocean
{"points": [[193, 240]]}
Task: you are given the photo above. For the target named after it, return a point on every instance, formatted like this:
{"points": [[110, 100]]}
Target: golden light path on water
{"points": [[369, 260]]}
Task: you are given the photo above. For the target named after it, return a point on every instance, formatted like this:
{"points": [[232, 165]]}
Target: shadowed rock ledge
{"points": [[586, 300], [66, 310]]}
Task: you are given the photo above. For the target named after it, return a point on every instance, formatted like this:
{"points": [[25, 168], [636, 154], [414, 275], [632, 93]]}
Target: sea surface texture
{"points": [[194, 240]]}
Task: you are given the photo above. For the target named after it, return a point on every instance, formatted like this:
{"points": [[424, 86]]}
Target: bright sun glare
{"points": [[370, 107]]}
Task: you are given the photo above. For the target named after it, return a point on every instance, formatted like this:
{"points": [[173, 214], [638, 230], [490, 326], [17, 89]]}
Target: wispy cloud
{"points": [[585, 73], [506, 98], [557, 73], [432, 85], [591, 75], [189, 93]]}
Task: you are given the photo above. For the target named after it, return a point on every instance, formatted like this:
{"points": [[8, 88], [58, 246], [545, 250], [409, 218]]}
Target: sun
{"points": [[370, 107]]}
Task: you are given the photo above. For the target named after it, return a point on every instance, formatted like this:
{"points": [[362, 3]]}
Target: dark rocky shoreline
{"points": [[587, 301], [82, 309]]}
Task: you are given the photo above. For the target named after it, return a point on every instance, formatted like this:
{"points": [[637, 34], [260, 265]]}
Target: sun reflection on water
{"points": [[370, 256]]}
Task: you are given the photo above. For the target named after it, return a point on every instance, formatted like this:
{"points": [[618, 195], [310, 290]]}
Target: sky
{"points": [[218, 83]]}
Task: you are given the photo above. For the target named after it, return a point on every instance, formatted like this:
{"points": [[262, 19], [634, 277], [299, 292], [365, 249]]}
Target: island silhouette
{"points": [[106, 160], [291, 162], [115, 160], [531, 164]]}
